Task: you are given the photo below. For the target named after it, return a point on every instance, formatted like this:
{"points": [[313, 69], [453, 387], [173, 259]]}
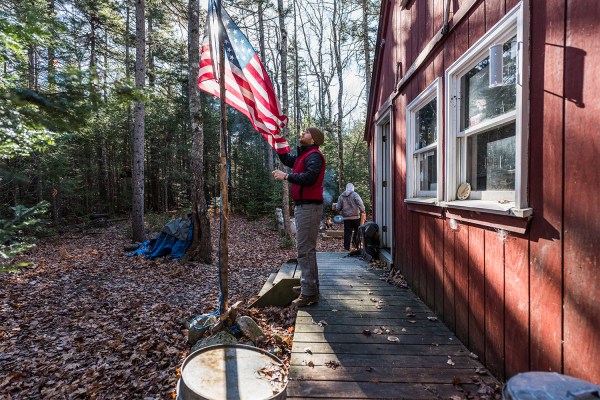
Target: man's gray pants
{"points": [[308, 217]]}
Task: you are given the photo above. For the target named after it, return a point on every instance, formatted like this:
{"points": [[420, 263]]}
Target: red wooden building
{"points": [[499, 95]]}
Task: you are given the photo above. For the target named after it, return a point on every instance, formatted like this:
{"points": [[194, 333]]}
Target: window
{"points": [[423, 129], [486, 126]]}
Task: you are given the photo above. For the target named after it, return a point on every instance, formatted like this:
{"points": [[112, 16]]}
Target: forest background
{"points": [[67, 96]]}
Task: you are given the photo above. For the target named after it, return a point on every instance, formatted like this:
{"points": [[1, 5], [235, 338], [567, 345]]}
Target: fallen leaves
{"points": [[332, 364], [485, 389], [396, 279], [276, 374], [84, 321]]}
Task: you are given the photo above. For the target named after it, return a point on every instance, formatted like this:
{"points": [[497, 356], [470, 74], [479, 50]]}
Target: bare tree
{"points": [[336, 25], [366, 45], [320, 67], [297, 107], [201, 248]]}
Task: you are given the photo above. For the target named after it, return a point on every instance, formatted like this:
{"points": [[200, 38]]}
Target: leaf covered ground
{"points": [[82, 320]]}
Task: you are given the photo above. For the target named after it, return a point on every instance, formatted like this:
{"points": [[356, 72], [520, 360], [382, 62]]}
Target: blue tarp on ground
{"points": [[173, 241]]}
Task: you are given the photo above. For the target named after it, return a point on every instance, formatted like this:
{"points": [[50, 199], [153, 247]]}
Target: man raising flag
{"points": [[248, 87]]}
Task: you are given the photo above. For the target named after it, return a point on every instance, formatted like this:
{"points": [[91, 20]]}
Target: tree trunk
{"points": [[99, 142], [365, 26], [336, 25], [151, 69], [201, 248], [296, 79], [128, 135], [365, 6], [261, 43], [284, 96], [31, 68], [51, 52], [137, 211]]}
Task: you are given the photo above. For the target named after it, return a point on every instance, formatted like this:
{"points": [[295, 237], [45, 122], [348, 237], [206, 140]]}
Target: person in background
{"points": [[308, 170], [352, 209]]}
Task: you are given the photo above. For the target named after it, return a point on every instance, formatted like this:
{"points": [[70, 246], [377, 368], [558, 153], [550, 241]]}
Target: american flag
{"points": [[247, 84]]}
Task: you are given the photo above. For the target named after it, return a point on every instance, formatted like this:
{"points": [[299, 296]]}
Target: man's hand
{"points": [[279, 175]]}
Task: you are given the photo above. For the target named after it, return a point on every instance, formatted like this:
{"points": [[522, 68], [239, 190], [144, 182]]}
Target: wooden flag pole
{"points": [[224, 256]]}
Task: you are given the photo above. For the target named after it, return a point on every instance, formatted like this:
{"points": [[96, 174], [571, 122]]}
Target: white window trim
{"points": [[516, 19], [434, 90]]}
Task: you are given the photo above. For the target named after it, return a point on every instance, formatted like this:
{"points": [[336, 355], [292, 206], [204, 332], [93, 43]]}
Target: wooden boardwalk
{"points": [[333, 357]]}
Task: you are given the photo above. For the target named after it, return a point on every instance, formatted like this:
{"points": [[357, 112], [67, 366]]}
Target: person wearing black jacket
{"points": [[308, 171]]}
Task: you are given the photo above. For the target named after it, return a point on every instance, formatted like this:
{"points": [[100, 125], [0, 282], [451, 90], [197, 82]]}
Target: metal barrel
{"points": [[232, 372]]}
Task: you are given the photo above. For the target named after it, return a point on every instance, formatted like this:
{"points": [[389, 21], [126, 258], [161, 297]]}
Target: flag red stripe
{"points": [[249, 91], [248, 97]]}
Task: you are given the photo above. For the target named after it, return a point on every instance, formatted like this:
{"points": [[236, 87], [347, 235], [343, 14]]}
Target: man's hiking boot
{"points": [[297, 290], [304, 301]]}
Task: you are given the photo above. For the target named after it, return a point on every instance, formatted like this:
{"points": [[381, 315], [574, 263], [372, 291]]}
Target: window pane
{"points": [[426, 125], [427, 165], [480, 102], [491, 159]]}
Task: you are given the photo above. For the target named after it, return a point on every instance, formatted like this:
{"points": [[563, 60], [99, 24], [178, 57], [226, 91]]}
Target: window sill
{"points": [[425, 205], [492, 207], [490, 214], [487, 214], [422, 200]]}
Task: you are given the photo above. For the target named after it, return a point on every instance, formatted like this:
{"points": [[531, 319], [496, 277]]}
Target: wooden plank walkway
{"points": [[333, 358]]}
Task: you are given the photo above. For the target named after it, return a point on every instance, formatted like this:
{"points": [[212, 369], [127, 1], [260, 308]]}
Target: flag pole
{"points": [[224, 256]]}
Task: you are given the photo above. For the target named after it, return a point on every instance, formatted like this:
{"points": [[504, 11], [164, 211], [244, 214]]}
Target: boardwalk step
{"points": [[277, 291], [268, 284], [334, 234], [287, 271]]}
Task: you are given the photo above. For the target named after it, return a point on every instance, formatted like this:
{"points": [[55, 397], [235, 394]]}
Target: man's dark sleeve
{"points": [[287, 159], [314, 164]]}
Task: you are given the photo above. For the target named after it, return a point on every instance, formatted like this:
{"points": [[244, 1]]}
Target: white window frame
{"points": [[413, 194], [515, 22]]}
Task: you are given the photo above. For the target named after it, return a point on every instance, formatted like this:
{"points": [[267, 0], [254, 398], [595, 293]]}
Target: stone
{"points": [[219, 338], [249, 328], [276, 351], [245, 341], [198, 327], [278, 339]]}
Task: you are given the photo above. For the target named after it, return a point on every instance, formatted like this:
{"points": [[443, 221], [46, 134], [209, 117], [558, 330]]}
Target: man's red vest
{"points": [[315, 191]]}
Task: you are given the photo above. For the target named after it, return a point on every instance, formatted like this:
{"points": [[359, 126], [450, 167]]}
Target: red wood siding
{"points": [[546, 164], [582, 180], [476, 288], [494, 301], [519, 301]]}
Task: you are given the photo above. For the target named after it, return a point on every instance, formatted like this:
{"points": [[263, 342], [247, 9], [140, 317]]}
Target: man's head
{"points": [[312, 136]]}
